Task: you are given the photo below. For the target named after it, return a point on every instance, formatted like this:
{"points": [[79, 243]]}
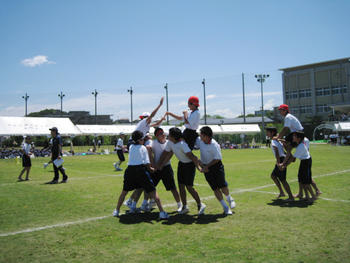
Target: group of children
{"points": [[149, 163]]}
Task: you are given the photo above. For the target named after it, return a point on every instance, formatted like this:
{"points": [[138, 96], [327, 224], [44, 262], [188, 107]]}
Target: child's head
{"points": [[193, 103], [175, 134], [271, 131], [144, 115], [137, 137], [28, 139], [283, 109], [206, 134], [122, 135], [298, 137], [160, 135]]}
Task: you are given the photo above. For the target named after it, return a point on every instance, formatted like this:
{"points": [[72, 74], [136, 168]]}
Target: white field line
{"points": [[323, 198], [28, 230]]}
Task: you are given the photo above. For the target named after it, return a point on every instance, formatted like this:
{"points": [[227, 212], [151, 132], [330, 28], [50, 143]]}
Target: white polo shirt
{"points": [[138, 155], [301, 152], [158, 148], [307, 143], [120, 144], [210, 151], [26, 147], [292, 123], [193, 120], [143, 127], [275, 143], [179, 149]]}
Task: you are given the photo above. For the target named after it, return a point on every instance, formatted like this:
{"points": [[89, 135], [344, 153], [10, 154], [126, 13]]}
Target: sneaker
{"points": [[179, 209], [145, 207], [132, 211], [115, 166], [116, 213], [163, 215], [184, 211], [152, 204], [52, 182], [232, 203], [227, 211], [45, 165], [128, 203], [64, 181], [119, 169], [201, 209]]}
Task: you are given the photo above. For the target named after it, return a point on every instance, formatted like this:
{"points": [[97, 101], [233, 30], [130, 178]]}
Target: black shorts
{"points": [[216, 176], [304, 174], [121, 155], [166, 175], [282, 175], [26, 162], [190, 137], [137, 176], [186, 173]]}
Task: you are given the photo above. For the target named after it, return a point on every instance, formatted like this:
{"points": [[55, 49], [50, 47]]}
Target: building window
{"points": [[319, 92], [308, 93], [293, 94], [302, 93], [322, 108], [336, 90], [294, 110], [287, 95], [322, 92], [305, 109], [326, 91], [345, 89]]}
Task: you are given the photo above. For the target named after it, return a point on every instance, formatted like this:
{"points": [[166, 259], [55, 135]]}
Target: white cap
{"points": [[145, 114]]}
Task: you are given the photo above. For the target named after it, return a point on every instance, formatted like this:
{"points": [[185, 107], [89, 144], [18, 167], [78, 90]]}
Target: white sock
{"points": [[228, 198], [144, 202], [179, 204], [224, 205]]}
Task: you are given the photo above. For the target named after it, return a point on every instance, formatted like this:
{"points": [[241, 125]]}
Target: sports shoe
{"points": [[128, 203], [152, 204], [119, 169], [52, 182], [45, 165], [145, 207], [232, 203], [184, 211], [116, 213], [227, 211], [201, 209], [163, 215], [64, 181], [115, 166], [179, 209]]}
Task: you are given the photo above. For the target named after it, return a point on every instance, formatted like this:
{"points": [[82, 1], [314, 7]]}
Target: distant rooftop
{"points": [[318, 64], [211, 121]]}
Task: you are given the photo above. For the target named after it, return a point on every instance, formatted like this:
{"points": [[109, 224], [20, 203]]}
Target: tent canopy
{"points": [[343, 127], [36, 126]]}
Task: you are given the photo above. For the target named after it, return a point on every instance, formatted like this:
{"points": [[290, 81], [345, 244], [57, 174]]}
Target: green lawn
{"points": [[261, 230]]}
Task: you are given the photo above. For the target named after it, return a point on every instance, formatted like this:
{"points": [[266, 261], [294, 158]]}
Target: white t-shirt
{"points": [[143, 127], [275, 143], [193, 120], [307, 143], [26, 147], [179, 149], [292, 123], [209, 151], [138, 155], [120, 144], [158, 149], [301, 152]]}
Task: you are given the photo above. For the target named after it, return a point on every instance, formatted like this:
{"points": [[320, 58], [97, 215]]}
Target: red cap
{"points": [[284, 107], [194, 100]]}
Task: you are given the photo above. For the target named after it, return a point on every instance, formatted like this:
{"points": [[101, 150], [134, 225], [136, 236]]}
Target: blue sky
{"points": [[78, 46]]}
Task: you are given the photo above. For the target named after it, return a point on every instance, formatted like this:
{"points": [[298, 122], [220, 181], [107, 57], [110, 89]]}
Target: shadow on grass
{"points": [[175, 218], [283, 203]]}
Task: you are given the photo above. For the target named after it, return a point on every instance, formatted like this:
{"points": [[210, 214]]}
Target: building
{"points": [[84, 117], [318, 89]]}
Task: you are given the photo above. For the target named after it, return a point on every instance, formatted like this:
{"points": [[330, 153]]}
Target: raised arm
{"points": [[149, 119]]}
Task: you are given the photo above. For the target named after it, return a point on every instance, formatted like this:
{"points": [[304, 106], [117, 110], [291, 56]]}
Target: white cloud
{"points": [[211, 96], [269, 104], [36, 61]]}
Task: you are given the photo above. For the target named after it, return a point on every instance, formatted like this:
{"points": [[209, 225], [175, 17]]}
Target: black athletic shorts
{"points": [[186, 173], [26, 162], [216, 176], [282, 175], [190, 137], [121, 155], [137, 176], [166, 175], [304, 174]]}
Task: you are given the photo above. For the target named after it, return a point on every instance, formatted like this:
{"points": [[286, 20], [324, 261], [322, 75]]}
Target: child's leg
{"points": [[278, 184], [300, 193], [27, 172], [183, 194], [154, 195], [309, 189], [220, 198], [229, 198], [176, 195], [305, 191], [21, 173], [287, 188], [194, 194], [314, 186], [121, 199]]}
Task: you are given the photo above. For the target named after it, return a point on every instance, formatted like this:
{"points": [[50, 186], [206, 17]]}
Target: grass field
{"points": [[72, 222]]}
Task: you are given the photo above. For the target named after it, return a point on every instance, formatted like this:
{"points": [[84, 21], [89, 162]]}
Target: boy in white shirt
{"points": [[137, 175], [26, 162], [279, 175], [304, 174], [191, 119], [119, 148], [213, 168], [186, 169]]}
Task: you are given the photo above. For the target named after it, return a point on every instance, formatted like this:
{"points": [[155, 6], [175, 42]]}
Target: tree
{"points": [[47, 112]]}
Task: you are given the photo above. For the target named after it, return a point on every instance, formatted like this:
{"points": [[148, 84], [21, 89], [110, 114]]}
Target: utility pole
{"points": [[205, 104], [243, 98], [261, 78], [95, 94], [61, 95], [26, 97], [167, 102], [131, 91]]}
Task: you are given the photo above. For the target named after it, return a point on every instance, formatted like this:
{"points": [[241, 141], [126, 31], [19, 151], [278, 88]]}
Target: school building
{"points": [[319, 89]]}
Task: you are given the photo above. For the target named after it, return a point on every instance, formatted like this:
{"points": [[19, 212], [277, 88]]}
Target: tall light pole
{"points": [[95, 94], [131, 91], [61, 95], [167, 102], [261, 78], [205, 104], [26, 97], [243, 97]]}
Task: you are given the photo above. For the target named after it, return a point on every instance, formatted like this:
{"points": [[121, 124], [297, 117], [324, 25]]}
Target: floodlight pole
{"points": [[61, 95], [243, 98], [95, 94], [167, 102], [131, 92], [26, 97], [205, 104], [261, 78]]}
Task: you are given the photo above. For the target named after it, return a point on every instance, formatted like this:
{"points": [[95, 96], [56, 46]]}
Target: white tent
{"points": [[36, 126], [105, 129], [343, 127]]}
